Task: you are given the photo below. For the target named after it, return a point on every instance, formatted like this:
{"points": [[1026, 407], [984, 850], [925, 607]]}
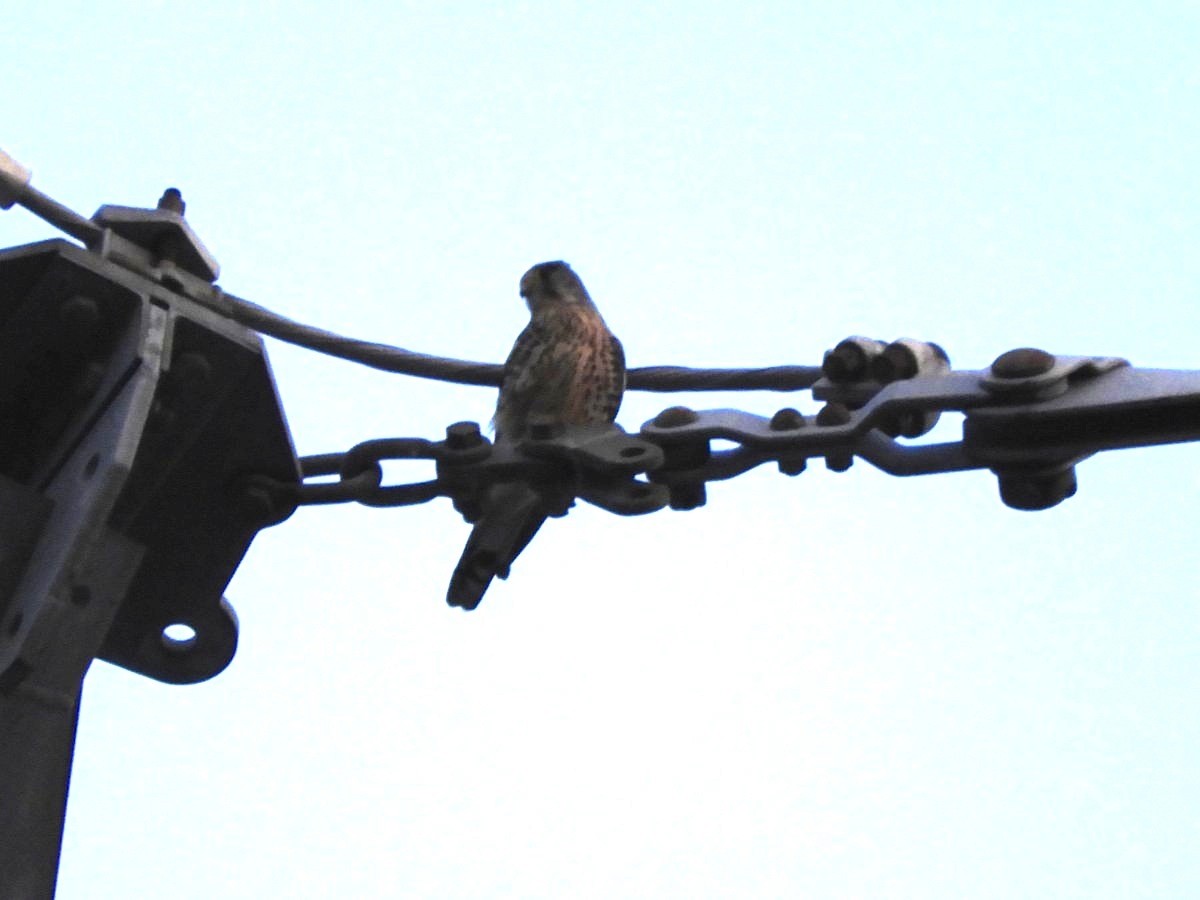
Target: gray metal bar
{"points": [[55, 622]]}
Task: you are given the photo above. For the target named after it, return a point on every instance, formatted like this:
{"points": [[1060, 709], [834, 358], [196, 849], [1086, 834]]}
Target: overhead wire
{"points": [[388, 358], [15, 187]]}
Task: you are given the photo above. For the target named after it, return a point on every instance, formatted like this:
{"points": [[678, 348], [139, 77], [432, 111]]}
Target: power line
{"points": [[461, 371], [16, 187]]}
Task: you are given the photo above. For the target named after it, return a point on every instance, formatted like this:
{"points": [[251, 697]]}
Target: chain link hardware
{"points": [[1029, 418]]}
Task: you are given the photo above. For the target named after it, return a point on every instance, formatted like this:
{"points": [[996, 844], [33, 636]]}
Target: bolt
{"points": [[850, 359], [256, 504], [897, 362], [839, 461], [909, 424], [79, 316], [463, 436], [168, 275], [1038, 490], [674, 417], [841, 364], [792, 464], [913, 425], [261, 500], [191, 371], [833, 414], [906, 358], [688, 496], [787, 419], [172, 201], [1024, 362]]}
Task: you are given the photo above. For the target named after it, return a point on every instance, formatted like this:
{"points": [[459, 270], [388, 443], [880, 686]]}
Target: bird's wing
{"points": [[616, 384], [537, 378], [519, 383]]}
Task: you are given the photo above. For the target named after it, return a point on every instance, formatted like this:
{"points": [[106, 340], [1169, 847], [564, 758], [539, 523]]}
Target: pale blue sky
{"points": [[830, 686]]}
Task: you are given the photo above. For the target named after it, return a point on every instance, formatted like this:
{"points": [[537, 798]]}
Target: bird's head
{"points": [[552, 284]]}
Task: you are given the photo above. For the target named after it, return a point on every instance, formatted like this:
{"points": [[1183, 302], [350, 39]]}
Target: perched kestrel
{"points": [[566, 368]]}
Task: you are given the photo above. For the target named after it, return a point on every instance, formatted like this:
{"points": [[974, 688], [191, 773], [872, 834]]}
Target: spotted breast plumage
{"points": [[566, 368]]}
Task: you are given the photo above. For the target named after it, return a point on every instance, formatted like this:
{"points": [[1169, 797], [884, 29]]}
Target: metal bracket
{"points": [[127, 417], [1029, 418]]}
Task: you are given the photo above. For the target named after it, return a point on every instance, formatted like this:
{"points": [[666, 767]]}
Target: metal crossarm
{"points": [[126, 415]]}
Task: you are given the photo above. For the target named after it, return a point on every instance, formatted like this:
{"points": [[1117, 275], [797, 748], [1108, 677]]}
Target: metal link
{"points": [[368, 457], [1029, 418], [360, 475], [345, 489], [598, 464]]}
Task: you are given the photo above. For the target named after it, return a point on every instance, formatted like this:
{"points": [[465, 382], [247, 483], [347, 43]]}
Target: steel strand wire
{"points": [[16, 188]]}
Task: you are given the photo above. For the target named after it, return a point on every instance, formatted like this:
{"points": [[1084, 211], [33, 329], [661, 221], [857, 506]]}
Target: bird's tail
{"points": [[512, 514]]}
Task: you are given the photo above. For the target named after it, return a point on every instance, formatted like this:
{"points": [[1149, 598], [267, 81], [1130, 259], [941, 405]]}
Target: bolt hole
{"points": [[178, 637], [81, 594], [631, 452], [91, 466], [14, 624]]}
